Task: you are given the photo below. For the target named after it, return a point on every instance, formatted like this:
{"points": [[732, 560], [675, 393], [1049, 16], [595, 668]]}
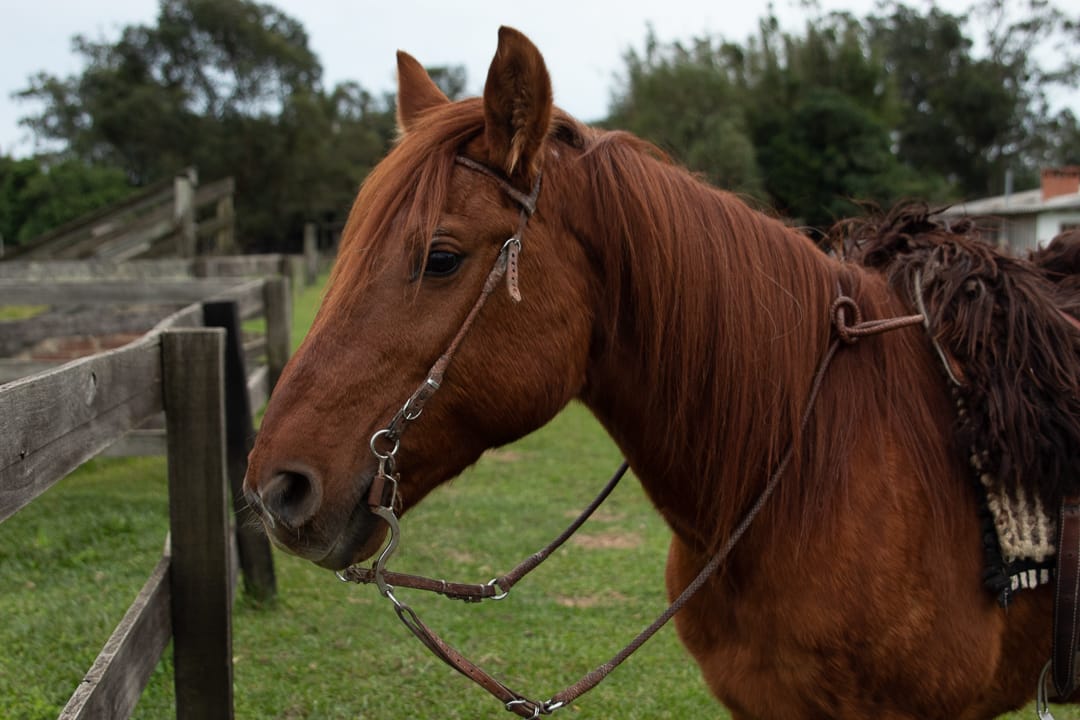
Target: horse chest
{"points": [[788, 642]]}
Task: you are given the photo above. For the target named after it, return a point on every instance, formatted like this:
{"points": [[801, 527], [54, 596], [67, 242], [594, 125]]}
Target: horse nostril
{"points": [[291, 498]]}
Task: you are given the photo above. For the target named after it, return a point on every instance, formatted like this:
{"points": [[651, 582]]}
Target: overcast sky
{"points": [[583, 41]]}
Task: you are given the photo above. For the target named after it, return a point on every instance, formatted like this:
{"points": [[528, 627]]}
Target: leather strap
{"points": [[476, 592], [849, 330], [506, 265], [1067, 600]]}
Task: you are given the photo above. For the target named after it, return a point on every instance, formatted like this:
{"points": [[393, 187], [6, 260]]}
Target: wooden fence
{"points": [[173, 217], [53, 421], [301, 269], [73, 289]]}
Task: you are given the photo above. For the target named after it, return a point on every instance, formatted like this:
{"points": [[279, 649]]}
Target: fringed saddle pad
{"points": [[1012, 356]]}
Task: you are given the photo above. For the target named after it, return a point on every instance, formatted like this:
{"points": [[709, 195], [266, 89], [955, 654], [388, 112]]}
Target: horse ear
{"points": [[517, 104], [417, 92]]}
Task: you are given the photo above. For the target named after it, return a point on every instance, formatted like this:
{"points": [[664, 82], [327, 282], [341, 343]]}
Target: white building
{"points": [[1024, 221]]}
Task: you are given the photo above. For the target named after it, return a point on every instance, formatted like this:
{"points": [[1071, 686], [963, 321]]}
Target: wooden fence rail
{"points": [[267, 297], [171, 217], [53, 421], [300, 269]]}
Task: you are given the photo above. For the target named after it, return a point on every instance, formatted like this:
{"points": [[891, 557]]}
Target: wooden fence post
{"points": [[311, 253], [278, 302], [256, 558], [225, 240], [201, 573], [184, 214]]}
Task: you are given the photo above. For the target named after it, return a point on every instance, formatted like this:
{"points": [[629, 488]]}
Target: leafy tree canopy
{"points": [[232, 88], [907, 101], [36, 198], [901, 103]]}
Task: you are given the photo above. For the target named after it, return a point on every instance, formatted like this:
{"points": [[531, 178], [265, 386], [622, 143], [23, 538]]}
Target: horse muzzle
{"points": [[293, 512]]}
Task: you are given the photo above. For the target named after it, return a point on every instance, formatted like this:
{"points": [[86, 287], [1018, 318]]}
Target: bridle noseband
{"points": [[383, 498]]}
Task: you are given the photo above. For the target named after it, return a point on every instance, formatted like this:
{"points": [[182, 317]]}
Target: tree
{"points": [[820, 114], [895, 105], [682, 99], [971, 118], [35, 198], [232, 88], [803, 120]]}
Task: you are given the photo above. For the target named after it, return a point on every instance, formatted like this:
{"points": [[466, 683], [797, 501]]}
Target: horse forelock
{"points": [[398, 206], [400, 201]]}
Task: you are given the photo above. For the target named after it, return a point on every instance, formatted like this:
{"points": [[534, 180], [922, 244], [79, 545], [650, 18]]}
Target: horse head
{"points": [[427, 233]]}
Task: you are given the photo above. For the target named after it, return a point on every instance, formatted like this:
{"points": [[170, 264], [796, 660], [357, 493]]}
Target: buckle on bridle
{"points": [[524, 702]]}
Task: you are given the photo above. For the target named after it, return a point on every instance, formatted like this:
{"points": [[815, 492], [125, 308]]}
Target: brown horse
{"points": [[691, 326]]}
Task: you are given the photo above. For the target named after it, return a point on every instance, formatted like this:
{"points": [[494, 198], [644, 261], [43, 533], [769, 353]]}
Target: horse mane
{"points": [[1059, 263], [665, 246], [727, 309], [401, 198], [997, 321]]}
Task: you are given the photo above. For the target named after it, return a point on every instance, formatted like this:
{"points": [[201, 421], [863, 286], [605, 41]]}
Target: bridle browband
{"points": [[383, 493]]}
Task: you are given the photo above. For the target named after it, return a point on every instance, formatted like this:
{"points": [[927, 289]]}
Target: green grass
{"points": [[72, 561], [21, 312]]}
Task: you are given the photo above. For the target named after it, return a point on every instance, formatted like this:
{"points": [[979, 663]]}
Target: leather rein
{"points": [[383, 496]]}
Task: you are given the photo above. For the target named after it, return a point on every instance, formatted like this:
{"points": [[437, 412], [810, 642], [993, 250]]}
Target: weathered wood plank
{"points": [[155, 194], [278, 326], [311, 254], [112, 686], [88, 270], [296, 270], [254, 348], [15, 369], [258, 385], [194, 379], [18, 335], [187, 317], [239, 265], [52, 422], [253, 547], [135, 239], [214, 191], [15, 292], [159, 220], [145, 269], [187, 241], [209, 228], [250, 297]]}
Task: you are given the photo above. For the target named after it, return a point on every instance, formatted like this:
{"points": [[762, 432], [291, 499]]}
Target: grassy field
{"points": [[72, 561]]}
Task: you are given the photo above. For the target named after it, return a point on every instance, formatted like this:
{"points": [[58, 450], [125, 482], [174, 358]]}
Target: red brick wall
{"points": [[1060, 181]]}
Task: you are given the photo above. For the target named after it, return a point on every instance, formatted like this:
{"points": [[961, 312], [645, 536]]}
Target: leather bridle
{"points": [[383, 496]]}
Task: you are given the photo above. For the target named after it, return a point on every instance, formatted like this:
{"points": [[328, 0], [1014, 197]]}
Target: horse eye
{"points": [[441, 263]]}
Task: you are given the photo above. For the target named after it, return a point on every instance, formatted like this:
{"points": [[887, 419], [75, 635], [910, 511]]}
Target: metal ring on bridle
{"points": [[522, 701], [494, 582], [384, 434]]}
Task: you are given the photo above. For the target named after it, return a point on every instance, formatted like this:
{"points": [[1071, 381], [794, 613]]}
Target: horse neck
{"points": [[712, 322]]}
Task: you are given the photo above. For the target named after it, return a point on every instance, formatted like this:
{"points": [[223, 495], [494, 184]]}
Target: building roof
{"points": [[1026, 202]]}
